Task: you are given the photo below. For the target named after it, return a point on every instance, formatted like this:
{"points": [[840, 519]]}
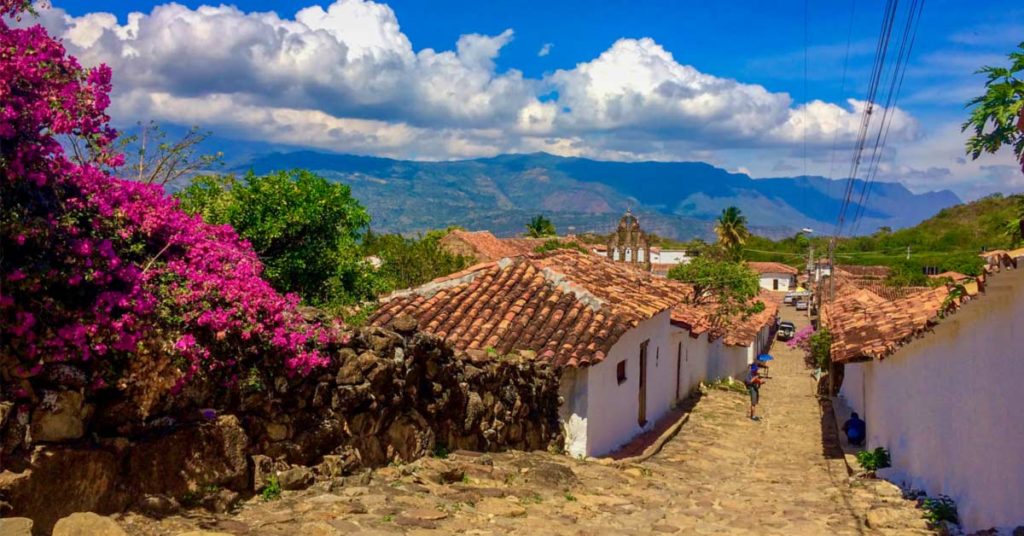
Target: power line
{"points": [[896, 85]]}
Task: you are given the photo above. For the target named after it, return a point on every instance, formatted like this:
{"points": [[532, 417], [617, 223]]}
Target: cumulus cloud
{"points": [[545, 49], [345, 77]]}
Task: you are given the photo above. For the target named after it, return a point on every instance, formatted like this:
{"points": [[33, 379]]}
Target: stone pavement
{"points": [[722, 474]]}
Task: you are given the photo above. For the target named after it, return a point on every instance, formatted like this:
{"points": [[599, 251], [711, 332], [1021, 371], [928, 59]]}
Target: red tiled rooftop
{"points": [[484, 246], [736, 331], [772, 268], [866, 325], [568, 307]]}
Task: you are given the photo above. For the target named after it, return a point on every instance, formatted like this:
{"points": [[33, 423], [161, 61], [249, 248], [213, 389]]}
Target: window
{"points": [[620, 372], [775, 284]]}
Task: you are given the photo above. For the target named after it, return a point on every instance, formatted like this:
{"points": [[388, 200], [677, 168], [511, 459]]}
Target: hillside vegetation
{"points": [[949, 240]]}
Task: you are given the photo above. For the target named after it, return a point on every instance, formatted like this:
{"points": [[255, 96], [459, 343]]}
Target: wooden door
{"points": [[642, 417]]}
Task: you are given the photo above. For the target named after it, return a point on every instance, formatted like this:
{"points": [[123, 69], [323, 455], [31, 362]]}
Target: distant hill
{"points": [[973, 226], [672, 199]]}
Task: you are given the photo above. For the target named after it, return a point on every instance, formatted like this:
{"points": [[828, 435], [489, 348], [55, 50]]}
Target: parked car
{"points": [[788, 299], [786, 331], [802, 305]]}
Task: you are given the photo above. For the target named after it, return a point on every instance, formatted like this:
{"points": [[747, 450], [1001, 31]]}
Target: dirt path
{"points": [[722, 474]]}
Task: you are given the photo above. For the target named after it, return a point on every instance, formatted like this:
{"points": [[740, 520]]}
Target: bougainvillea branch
{"points": [[95, 269]]}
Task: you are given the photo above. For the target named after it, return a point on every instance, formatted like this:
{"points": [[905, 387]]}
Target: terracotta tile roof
{"points": [[738, 331], [866, 325], [568, 307], [772, 268], [955, 276], [863, 271], [484, 246], [998, 259]]}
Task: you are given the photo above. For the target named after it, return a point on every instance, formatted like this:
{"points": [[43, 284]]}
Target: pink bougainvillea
{"points": [[96, 269]]}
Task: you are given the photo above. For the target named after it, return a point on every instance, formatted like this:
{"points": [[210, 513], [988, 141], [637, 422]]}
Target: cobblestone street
{"points": [[722, 474]]}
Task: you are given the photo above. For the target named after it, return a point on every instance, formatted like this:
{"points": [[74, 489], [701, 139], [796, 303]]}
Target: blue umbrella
{"points": [[764, 357]]}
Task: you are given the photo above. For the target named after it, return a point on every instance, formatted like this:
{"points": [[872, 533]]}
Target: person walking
{"points": [[753, 382]]}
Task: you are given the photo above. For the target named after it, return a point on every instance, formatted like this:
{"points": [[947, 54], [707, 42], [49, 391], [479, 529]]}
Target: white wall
{"points": [[949, 407], [695, 353], [572, 413], [614, 408], [786, 281], [669, 256]]}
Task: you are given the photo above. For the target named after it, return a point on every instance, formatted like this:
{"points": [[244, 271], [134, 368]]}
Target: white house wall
{"points": [[785, 281], [695, 353], [948, 407], [573, 411], [614, 408]]}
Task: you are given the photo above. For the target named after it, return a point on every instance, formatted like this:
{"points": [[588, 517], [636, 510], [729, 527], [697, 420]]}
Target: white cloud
{"points": [[545, 49], [346, 78]]}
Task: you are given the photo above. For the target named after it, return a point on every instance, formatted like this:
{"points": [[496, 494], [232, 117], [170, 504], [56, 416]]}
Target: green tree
{"points": [[731, 286], [540, 227], [731, 229], [151, 158], [409, 262], [554, 244], [305, 229], [997, 117]]}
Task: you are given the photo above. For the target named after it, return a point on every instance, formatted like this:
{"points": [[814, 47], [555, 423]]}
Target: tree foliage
{"points": [[109, 275], [555, 244], [540, 227], [732, 232], [305, 229], [409, 262], [997, 117], [731, 287]]}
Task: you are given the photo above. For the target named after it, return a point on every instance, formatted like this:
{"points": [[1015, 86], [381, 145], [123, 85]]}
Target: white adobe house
{"points": [[775, 276], [944, 396], [606, 326]]}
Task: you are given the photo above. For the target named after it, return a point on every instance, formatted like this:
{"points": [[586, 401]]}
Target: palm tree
{"points": [[540, 227], [731, 229]]}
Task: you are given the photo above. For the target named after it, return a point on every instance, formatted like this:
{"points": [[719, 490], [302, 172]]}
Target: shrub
{"points": [[272, 491], [109, 274], [940, 509], [873, 460], [555, 244]]}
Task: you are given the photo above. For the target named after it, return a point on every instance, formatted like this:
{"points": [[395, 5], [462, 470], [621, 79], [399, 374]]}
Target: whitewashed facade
{"points": [[948, 407]]}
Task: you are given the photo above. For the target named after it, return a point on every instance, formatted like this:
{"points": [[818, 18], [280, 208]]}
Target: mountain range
{"points": [[676, 200]]}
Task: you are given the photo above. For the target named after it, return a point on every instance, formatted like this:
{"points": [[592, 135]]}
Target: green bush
{"points": [[873, 460], [273, 490], [941, 509]]}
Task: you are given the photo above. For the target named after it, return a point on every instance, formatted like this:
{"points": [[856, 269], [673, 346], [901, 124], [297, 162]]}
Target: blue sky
{"points": [[721, 82]]}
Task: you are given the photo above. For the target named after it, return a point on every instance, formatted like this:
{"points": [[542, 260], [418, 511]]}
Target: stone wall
{"points": [[391, 396]]}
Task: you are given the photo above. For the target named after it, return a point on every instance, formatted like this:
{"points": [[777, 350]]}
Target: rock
{"points": [[277, 431], [500, 508], [262, 468], [319, 528], [886, 517], [84, 479], [158, 505], [87, 524], [209, 454], [404, 324], [6, 409], [204, 533], [221, 502], [295, 478], [1019, 531], [426, 514], [552, 475], [60, 416], [16, 526], [349, 373]]}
